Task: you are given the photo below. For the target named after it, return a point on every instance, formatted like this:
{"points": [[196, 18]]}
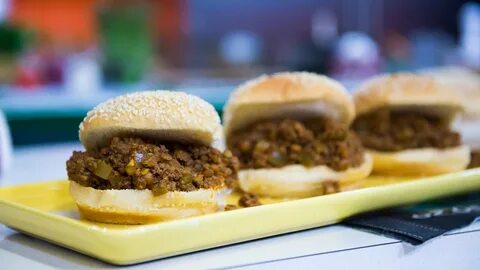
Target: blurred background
{"points": [[59, 58]]}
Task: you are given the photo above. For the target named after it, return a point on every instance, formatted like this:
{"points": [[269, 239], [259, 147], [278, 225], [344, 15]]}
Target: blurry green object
{"points": [[13, 40], [126, 41]]}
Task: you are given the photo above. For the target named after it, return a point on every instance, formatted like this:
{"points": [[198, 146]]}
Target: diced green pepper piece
{"points": [[103, 170]]}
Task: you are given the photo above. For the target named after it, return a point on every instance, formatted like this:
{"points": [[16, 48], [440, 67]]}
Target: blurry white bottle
{"points": [[241, 48], [5, 145], [82, 74], [356, 56], [470, 34]]}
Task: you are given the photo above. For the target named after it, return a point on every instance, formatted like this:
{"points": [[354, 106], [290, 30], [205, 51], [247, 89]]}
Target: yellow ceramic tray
{"points": [[45, 210]]}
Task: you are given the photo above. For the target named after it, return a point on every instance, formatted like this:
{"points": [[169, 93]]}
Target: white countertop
{"points": [[332, 247]]}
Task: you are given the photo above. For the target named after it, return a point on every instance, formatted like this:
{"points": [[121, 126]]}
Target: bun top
{"points": [[287, 94], [158, 115], [407, 90], [463, 81]]}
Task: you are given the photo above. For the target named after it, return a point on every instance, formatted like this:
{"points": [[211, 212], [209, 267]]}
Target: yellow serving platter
{"points": [[45, 210]]}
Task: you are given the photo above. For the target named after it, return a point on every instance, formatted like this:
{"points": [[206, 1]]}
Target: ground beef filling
{"points": [[249, 200], [131, 163], [474, 159], [387, 130], [312, 142]]}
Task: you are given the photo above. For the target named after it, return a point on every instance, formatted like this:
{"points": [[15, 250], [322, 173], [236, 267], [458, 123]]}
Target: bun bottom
{"points": [[421, 162], [129, 206], [297, 181]]}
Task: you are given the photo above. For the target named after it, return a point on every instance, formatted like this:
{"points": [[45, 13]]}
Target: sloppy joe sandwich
{"points": [[150, 156], [405, 122], [291, 134], [466, 83]]}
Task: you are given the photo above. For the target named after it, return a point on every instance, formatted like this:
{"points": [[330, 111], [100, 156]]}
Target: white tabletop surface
{"points": [[332, 247]]}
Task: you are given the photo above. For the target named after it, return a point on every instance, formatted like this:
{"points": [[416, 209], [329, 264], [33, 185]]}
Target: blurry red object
{"points": [[27, 78]]}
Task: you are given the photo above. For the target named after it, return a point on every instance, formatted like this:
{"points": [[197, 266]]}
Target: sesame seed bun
{"points": [[407, 91], [421, 162], [128, 206], [161, 115], [297, 181], [287, 94]]}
